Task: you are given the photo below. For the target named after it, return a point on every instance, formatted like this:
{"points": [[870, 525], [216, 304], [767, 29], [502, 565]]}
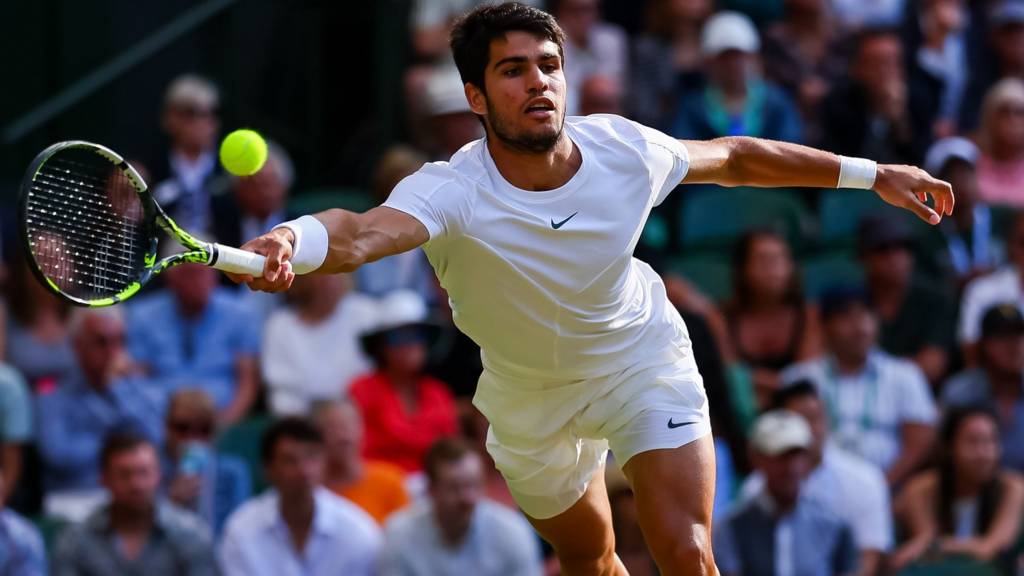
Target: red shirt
{"points": [[395, 435]]}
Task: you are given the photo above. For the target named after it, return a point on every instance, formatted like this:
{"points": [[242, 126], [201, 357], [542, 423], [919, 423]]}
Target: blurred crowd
{"points": [[865, 372]]}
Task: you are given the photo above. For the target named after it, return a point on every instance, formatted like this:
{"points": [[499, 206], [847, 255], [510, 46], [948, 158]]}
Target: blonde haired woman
{"points": [[1001, 165]]}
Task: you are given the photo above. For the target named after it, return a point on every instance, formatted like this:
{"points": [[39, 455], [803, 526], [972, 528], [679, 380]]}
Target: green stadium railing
{"points": [[713, 217]]}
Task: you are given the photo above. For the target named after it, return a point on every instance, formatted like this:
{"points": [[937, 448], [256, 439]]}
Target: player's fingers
{"points": [[922, 210], [272, 268]]}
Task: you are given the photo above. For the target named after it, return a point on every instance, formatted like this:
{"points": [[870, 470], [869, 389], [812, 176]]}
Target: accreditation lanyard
{"points": [[870, 377]]}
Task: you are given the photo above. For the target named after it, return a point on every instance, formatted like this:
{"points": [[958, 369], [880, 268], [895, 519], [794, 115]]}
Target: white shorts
{"points": [[548, 440]]}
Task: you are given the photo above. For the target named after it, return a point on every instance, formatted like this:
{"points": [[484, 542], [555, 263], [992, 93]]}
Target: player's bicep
{"points": [[709, 161]]}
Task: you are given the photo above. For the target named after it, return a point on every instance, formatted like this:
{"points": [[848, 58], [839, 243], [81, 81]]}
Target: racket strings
{"points": [[86, 225]]}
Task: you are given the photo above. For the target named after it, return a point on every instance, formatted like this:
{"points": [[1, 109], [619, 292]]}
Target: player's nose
{"points": [[537, 80]]}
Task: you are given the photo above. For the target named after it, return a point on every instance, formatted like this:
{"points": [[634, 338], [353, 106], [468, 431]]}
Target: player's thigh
{"points": [[674, 489], [584, 531]]}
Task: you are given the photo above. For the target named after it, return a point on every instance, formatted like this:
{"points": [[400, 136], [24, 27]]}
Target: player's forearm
{"points": [[355, 239], [756, 162]]}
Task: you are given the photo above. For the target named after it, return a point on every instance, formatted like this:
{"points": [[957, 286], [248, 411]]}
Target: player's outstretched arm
{"points": [[336, 241], [742, 161]]}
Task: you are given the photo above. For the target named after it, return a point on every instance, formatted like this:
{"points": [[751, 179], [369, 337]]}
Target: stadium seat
{"points": [[709, 271], [830, 269], [841, 210], [714, 217], [243, 440], [320, 199]]}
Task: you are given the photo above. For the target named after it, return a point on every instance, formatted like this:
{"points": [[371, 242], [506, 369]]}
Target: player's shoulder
{"points": [[463, 168], [605, 127]]}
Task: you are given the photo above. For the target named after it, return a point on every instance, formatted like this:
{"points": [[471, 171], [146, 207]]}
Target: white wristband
{"points": [[309, 250], [857, 173]]}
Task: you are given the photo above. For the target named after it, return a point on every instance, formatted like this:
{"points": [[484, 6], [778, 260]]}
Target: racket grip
{"points": [[237, 261]]}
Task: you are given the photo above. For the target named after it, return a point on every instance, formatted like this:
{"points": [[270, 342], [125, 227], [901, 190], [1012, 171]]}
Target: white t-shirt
{"points": [[302, 363], [545, 282]]}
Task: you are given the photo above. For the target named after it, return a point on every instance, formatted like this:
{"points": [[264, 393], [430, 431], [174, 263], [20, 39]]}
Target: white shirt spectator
{"points": [[606, 55], [867, 410], [302, 363], [500, 543], [849, 486], [999, 287], [343, 540]]}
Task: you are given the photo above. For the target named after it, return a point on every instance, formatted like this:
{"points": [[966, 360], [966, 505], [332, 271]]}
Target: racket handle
{"points": [[236, 261]]}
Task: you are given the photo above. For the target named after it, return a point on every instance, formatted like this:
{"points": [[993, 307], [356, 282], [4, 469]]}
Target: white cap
{"points": [[947, 149], [728, 30], [192, 90], [446, 93], [780, 431], [399, 308]]}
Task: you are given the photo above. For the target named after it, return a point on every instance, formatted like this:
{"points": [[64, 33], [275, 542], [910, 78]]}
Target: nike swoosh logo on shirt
{"points": [[672, 424], [558, 225]]}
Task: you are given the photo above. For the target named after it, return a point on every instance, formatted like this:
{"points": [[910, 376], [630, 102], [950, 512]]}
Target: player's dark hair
{"points": [[472, 35], [291, 428], [119, 442], [990, 497], [444, 451], [787, 393]]}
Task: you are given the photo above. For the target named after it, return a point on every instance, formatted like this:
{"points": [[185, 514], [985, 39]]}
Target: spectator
{"points": [[770, 325], [917, 319], [856, 14], [968, 505], [880, 407], [1000, 287], [376, 487], [311, 348], [187, 178], [1001, 136], [298, 527], [474, 428], [104, 395], [1000, 54], [667, 58], [135, 533], [736, 101], [969, 248], [852, 489], [15, 428], [457, 531], [206, 339], [600, 95], [870, 115], [592, 47], [629, 539], [452, 124], [21, 546], [405, 410], [805, 55], [779, 531], [195, 477], [997, 380], [37, 343]]}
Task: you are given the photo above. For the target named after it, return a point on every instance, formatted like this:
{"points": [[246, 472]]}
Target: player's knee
{"points": [[691, 555]]}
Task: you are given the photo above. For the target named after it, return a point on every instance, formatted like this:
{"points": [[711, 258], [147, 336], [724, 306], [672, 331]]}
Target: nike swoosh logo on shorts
{"points": [[672, 424], [558, 225]]}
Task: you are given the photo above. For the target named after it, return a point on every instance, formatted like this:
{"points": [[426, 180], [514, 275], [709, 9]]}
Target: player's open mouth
{"points": [[540, 108]]}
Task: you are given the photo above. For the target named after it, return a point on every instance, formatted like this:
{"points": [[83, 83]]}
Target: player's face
{"points": [[524, 104]]}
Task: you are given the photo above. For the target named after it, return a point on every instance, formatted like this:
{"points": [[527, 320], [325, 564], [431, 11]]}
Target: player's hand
{"points": [[909, 187], [276, 245]]}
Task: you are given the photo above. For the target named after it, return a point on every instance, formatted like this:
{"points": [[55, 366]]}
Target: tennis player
{"points": [[531, 231]]}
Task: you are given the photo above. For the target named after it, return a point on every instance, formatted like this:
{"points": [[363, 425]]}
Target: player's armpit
{"points": [[355, 239]]}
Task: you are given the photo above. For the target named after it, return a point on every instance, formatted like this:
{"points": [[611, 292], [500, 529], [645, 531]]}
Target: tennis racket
{"points": [[90, 227]]}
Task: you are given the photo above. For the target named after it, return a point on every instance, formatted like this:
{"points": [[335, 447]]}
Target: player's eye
{"points": [[510, 72], [548, 68]]}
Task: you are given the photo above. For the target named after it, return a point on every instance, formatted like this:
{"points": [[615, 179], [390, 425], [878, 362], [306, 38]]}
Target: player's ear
{"points": [[477, 99]]}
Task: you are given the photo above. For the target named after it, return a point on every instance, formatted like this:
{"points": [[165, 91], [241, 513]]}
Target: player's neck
{"points": [[536, 171]]}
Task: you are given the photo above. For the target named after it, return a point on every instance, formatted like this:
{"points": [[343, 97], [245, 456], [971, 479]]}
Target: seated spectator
{"points": [[880, 407], [840, 482], [999, 53], [474, 428], [969, 248], [968, 505], [629, 539], [667, 58], [103, 395], [736, 101], [1003, 286], [135, 533], [206, 338], [804, 54], [770, 324], [376, 487], [15, 428], [194, 476], [997, 380], [188, 176], [311, 348], [405, 411], [592, 47], [452, 124], [37, 342], [298, 527], [21, 546], [778, 531], [1001, 139], [600, 95], [871, 115], [457, 531], [917, 319]]}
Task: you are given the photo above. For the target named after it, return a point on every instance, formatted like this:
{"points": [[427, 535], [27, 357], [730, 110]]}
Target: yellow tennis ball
{"points": [[243, 152]]}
